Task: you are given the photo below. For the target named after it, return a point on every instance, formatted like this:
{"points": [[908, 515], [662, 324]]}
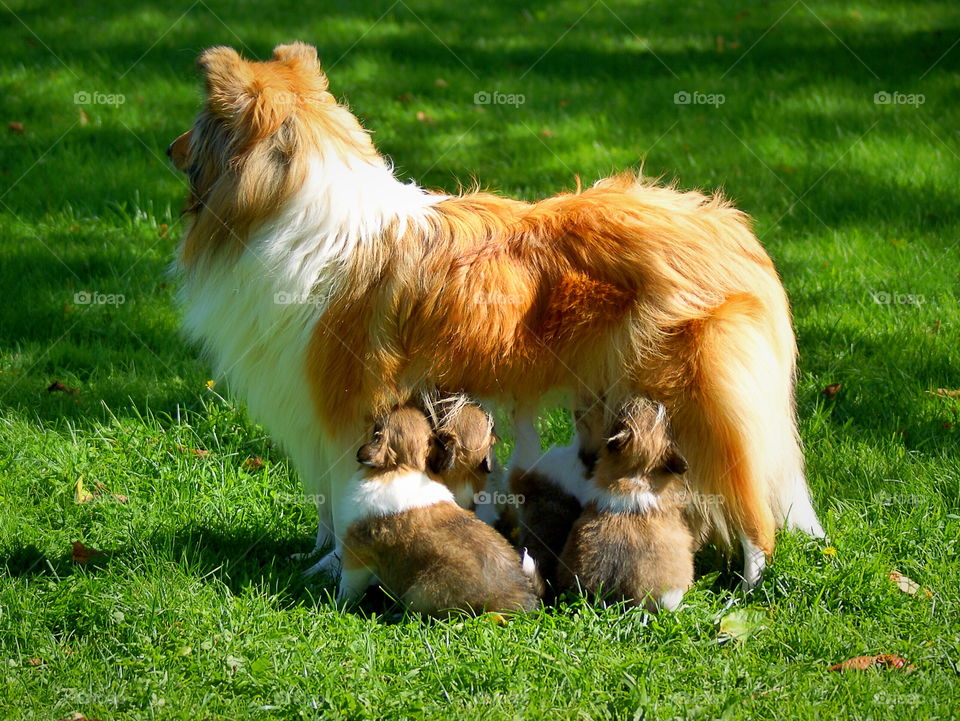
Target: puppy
{"points": [[550, 487], [632, 540], [466, 432], [406, 529]]}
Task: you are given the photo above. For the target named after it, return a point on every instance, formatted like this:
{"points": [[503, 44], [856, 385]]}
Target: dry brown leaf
{"points": [[424, 118], [907, 584], [82, 554], [831, 390], [945, 393], [163, 230], [84, 118], [547, 133], [35, 661], [58, 386], [883, 660], [253, 464], [195, 452], [440, 83], [15, 127]]}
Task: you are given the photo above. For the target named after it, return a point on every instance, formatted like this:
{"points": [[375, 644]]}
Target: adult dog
{"points": [[326, 291]]}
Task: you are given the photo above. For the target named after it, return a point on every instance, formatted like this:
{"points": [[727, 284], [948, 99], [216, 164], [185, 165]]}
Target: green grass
{"points": [[194, 611]]}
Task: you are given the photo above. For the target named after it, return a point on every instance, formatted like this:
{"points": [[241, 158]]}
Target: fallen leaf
{"points": [[80, 494], [15, 127], [907, 584], [944, 393], [547, 133], [440, 83], [831, 390], [58, 386], [195, 452], [253, 464], [740, 624], [862, 663], [424, 118], [163, 230], [35, 662], [120, 498], [82, 554], [84, 118]]}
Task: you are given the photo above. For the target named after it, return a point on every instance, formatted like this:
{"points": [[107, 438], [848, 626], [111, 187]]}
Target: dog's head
{"points": [[641, 446], [401, 438], [250, 145], [466, 440]]}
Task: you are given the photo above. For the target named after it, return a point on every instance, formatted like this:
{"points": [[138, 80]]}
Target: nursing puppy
{"points": [[632, 540], [323, 288], [466, 432], [405, 528], [549, 488]]}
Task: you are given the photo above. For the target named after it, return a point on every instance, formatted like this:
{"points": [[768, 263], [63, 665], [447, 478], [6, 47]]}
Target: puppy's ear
{"points": [[443, 452], [486, 465], [675, 463], [618, 441]]}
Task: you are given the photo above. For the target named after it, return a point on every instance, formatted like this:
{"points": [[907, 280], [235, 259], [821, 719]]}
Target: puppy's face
{"points": [[641, 448], [401, 439]]}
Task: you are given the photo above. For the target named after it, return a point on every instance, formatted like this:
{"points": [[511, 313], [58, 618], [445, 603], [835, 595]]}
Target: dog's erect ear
{"points": [[227, 75], [295, 51], [443, 451]]}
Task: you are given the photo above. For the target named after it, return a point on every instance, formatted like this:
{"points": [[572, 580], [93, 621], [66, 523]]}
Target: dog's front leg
{"points": [[335, 512]]}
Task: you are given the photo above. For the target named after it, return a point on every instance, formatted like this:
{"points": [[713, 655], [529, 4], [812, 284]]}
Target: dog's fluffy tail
{"points": [[529, 567], [738, 426]]}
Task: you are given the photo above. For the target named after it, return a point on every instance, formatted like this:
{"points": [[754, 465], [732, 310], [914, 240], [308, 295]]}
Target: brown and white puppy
{"points": [[466, 432], [632, 540], [405, 528], [549, 487]]}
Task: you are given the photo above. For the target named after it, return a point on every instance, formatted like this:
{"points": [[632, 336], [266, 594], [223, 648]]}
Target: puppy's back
{"points": [[441, 558]]}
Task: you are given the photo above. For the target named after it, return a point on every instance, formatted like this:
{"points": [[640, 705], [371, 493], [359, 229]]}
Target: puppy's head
{"points": [[641, 447], [464, 451], [251, 143], [403, 438]]}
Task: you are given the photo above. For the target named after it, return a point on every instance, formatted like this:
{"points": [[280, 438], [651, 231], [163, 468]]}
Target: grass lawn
{"points": [[193, 610]]}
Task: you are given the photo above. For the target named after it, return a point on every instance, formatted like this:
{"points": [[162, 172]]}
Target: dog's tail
{"points": [[529, 567], [737, 424]]}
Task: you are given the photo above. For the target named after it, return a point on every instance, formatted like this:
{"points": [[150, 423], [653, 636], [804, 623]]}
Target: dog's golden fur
{"points": [[624, 288], [436, 558], [638, 550]]}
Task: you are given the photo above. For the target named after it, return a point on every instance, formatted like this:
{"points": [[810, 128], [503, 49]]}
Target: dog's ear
{"points": [[486, 465], [228, 78], [618, 441], [675, 463], [443, 451], [304, 56]]}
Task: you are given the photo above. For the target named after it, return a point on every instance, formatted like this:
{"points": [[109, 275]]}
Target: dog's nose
{"points": [[170, 151]]}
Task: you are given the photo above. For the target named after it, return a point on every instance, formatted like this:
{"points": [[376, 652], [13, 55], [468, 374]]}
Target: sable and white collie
{"points": [[326, 290], [632, 539], [404, 528]]}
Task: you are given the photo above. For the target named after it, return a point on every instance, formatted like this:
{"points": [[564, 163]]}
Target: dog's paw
{"points": [[328, 566]]}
